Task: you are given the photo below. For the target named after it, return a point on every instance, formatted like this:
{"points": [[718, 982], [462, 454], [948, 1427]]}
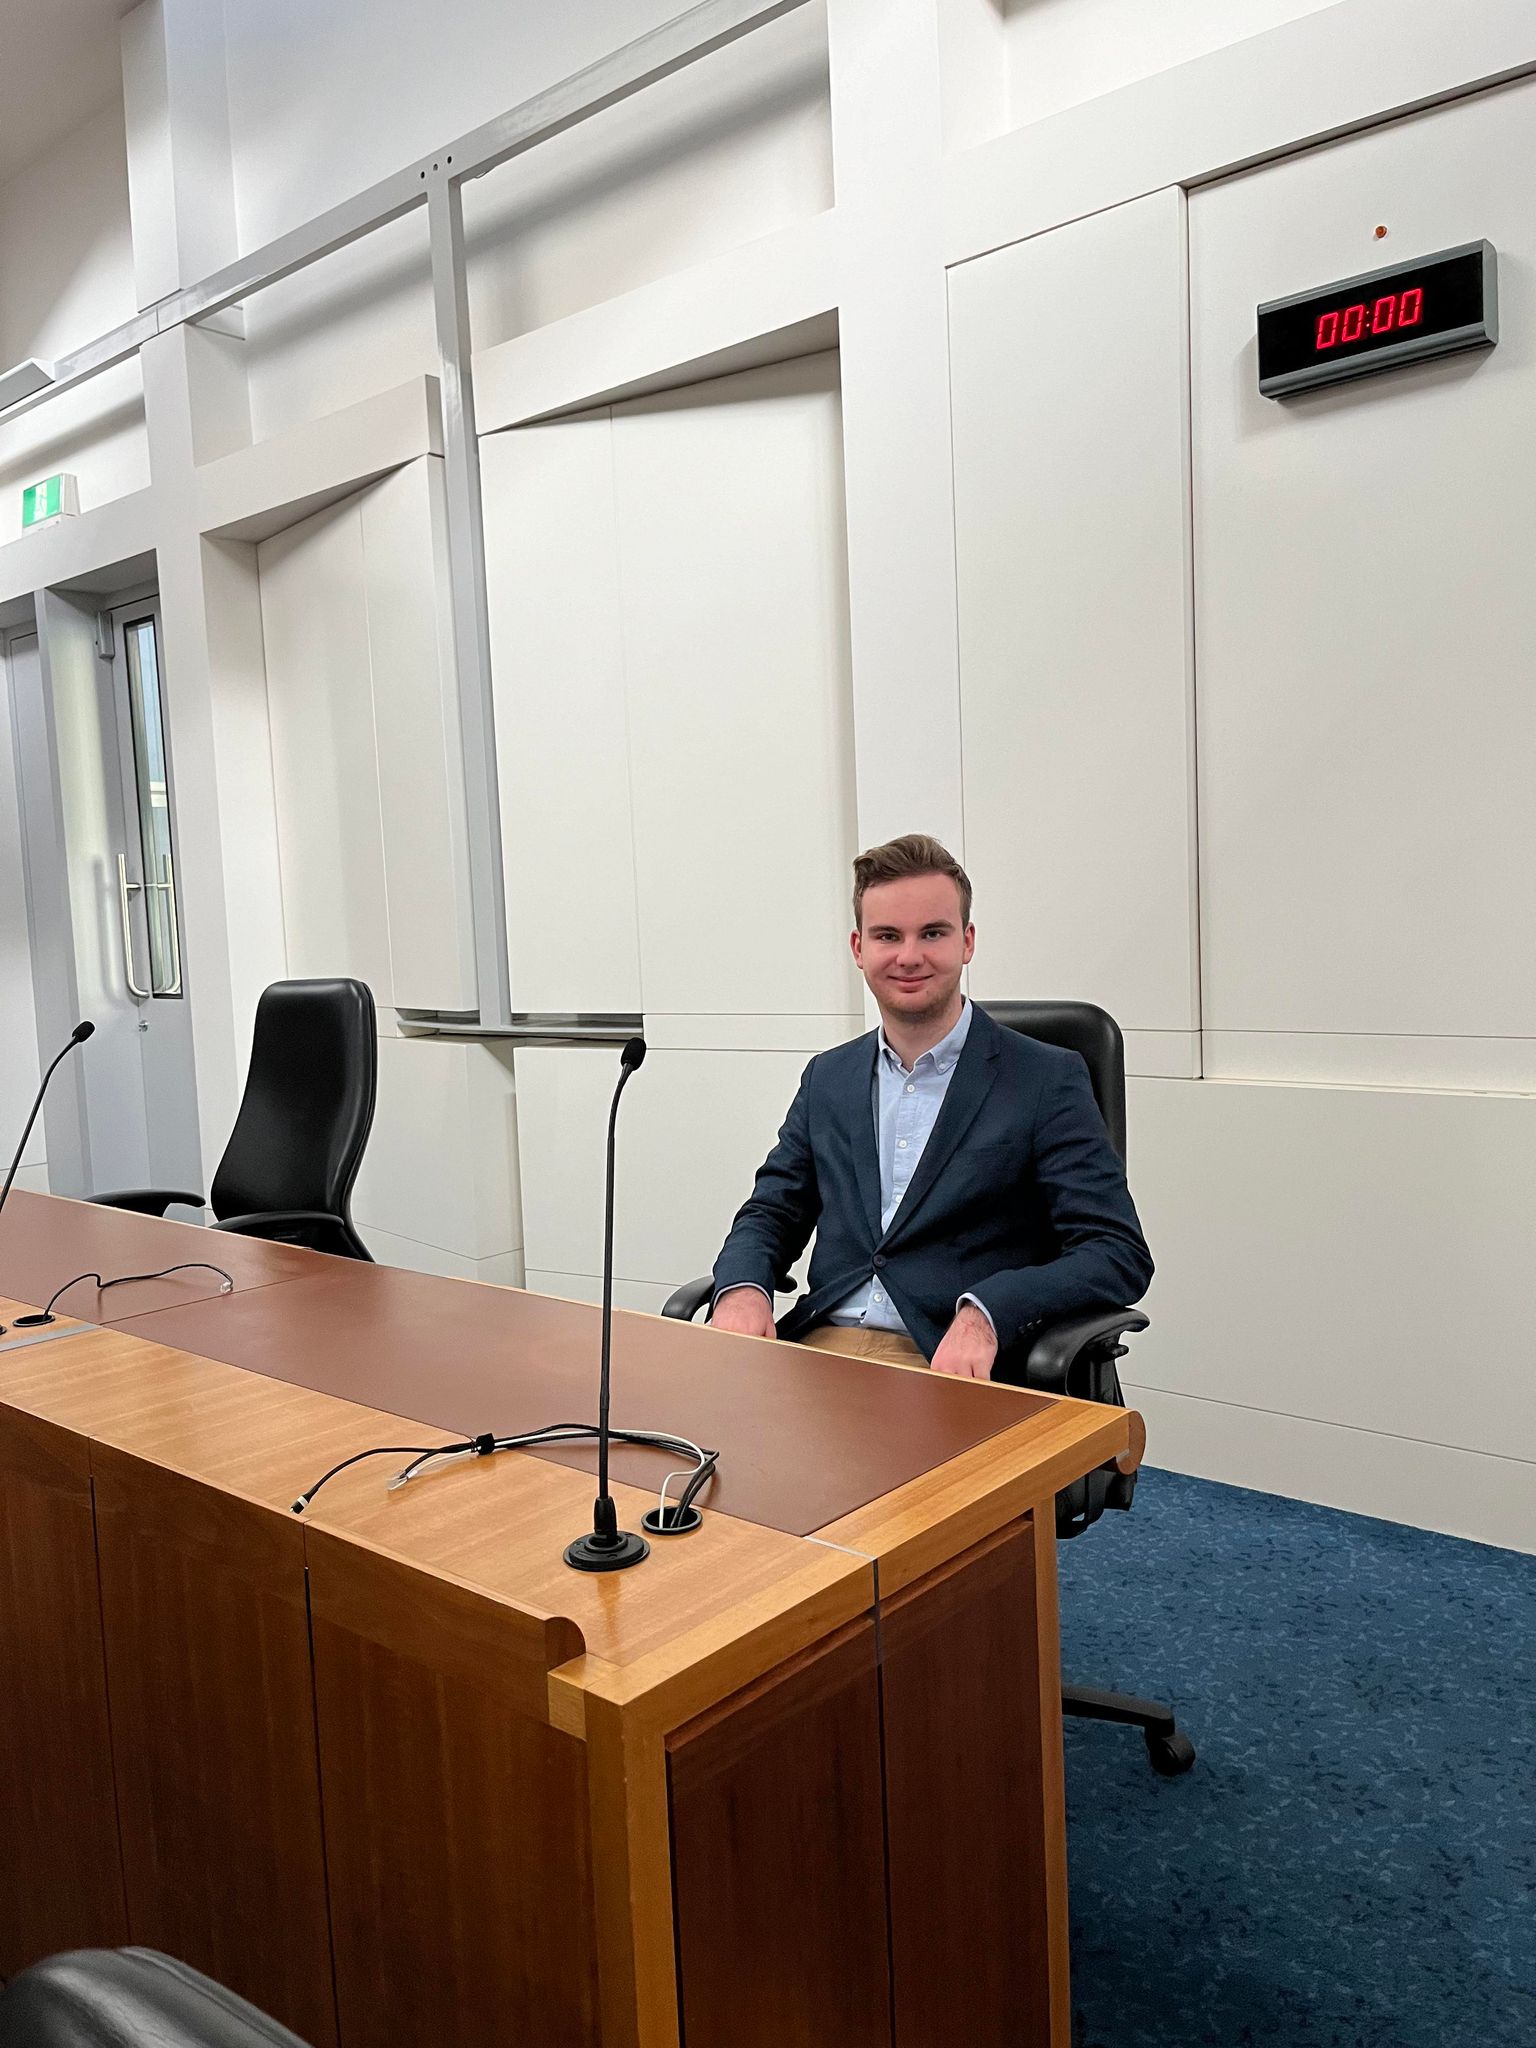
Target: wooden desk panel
{"points": [[47, 1239], [461, 1882], [976, 1930], [213, 1740], [60, 1877], [805, 1436], [778, 1838]]}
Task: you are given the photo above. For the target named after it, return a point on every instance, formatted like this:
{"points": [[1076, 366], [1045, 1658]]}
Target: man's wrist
{"points": [[739, 1287], [969, 1301]]}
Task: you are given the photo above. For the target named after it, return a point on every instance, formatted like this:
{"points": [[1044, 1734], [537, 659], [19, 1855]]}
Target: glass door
{"points": [[149, 908]]}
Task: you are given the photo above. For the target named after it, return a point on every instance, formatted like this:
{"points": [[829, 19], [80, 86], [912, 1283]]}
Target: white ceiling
{"points": [[59, 62]]}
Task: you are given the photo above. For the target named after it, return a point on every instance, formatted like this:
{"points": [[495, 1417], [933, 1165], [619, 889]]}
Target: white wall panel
{"points": [[325, 766], [1359, 1257], [1366, 1472], [693, 1130], [557, 662], [1366, 638], [1062, 52], [440, 1171], [416, 726], [365, 745], [1071, 535], [734, 600]]}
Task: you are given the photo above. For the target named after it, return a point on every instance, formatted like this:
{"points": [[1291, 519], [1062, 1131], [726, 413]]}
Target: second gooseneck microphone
{"points": [[78, 1036], [608, 1548]]}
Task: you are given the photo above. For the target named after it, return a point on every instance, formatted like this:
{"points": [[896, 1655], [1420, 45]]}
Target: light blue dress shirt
{"points": [[907, 1102]]}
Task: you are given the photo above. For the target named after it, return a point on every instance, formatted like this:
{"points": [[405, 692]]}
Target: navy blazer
{"points": [[1019, 1197]]}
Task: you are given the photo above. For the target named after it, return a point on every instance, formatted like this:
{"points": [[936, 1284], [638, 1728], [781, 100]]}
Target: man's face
{"points": [[911, 945]]}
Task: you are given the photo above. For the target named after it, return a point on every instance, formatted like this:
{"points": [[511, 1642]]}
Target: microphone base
{"points": [[594, 1553]]}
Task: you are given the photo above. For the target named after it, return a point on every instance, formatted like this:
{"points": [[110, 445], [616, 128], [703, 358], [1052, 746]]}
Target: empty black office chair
{"points": [[1075, 1355], [129, 1998], [298, 1141]]}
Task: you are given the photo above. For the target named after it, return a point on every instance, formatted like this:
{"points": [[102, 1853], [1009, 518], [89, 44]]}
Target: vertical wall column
{"points": [[893, 319]]}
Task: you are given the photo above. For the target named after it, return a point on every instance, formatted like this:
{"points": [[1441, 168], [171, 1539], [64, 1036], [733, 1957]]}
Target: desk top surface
{"points": [[804, 1436], [46, 1240]]}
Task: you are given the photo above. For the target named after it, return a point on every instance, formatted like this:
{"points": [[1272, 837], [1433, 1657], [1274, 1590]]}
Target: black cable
{"points": [[357, 1457], [45, 1315], [486, 1445]]}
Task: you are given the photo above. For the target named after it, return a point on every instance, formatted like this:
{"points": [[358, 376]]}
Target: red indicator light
{"points": [[1411, 310], [1327, 329], [1382, 313], [1354, 323]]}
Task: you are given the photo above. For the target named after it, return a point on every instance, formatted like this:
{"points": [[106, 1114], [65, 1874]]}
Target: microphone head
{"points": [[632, 1055], [81, 1032]]}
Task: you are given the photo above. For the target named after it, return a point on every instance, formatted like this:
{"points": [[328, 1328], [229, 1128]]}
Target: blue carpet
{"points": [[1352, 1860]]}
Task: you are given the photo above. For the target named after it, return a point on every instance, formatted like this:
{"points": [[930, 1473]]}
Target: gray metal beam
{"points": [[468, 600], [100, 354]]}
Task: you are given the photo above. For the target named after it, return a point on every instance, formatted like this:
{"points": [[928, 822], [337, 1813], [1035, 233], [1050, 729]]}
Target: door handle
{"points": [[168, 886], [140, 995]]}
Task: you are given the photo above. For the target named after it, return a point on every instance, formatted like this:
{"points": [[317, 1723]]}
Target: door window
{"points": [[154, 805]]}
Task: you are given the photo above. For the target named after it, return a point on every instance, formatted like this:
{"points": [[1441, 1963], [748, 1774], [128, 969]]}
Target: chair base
{"points": [[1169, 1749]]}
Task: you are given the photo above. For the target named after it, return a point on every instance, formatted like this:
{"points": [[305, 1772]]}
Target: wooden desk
{"points": [[396, 1773]]}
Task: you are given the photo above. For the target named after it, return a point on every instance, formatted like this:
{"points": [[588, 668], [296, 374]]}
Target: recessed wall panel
{"points": [[557, 659], [325, 767], [1069, 380], [1365, 634], [733, 590]]}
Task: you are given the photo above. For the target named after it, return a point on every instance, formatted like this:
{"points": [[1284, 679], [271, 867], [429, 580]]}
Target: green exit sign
{"points": [[56, 497]]}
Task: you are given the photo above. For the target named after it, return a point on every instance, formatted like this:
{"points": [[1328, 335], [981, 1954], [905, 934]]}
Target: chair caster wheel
{"points": [[1170, 1755]]}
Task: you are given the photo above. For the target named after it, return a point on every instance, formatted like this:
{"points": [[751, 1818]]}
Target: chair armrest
{"points": [[148, 1201], [1058, 1347], [685, 1303]]}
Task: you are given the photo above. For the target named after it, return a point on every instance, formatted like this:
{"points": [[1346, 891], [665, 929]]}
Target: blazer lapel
{"points": [[858, 1104], [968, 1089]]}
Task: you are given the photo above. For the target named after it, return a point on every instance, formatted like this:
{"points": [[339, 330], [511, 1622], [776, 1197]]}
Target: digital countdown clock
{"points": [[1435, 307]]}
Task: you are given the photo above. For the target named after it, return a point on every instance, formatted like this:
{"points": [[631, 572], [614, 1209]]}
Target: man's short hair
{"points": [[915, 853]]}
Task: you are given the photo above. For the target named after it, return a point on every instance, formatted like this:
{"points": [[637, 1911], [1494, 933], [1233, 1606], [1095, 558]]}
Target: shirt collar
{"points": [[943, 1055]]}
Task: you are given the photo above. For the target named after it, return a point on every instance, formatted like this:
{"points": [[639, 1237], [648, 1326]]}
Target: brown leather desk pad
{"points": [[804, 1436], [46, 1240]]}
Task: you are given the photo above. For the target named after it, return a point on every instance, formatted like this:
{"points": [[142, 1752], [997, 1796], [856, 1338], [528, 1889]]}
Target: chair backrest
{"points": [[131, 1998], [1082, 1028], [308, 1104]]}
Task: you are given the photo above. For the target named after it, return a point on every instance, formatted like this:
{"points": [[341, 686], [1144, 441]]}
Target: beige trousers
{"points": [[889, 1346]]}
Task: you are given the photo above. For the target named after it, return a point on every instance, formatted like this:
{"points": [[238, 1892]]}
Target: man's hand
{"points": [[746, 1311], [969, 1346]]}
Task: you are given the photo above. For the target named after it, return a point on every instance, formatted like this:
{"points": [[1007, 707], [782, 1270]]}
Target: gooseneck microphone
{"points": [[78, 1036], [609, 1548]]}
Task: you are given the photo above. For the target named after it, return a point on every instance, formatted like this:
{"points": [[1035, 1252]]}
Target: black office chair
{"points": [[1075, 1355], [298, 1141], [129, 1998]]}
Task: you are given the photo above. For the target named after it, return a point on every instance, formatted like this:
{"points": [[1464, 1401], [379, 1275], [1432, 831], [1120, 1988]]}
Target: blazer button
{"points": [[879, 1260]]}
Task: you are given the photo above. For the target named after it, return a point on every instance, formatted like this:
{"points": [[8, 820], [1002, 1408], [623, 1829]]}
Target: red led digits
{"points": [[1351, 323]]}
